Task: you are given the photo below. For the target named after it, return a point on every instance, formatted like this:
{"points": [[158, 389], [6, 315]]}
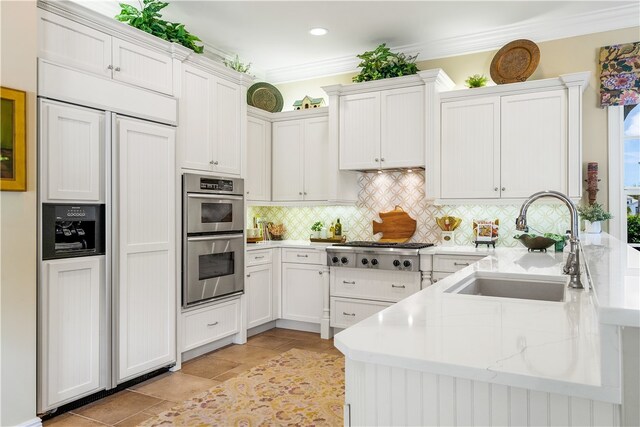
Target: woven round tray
{"points": [[265, 96], [515, 62]]}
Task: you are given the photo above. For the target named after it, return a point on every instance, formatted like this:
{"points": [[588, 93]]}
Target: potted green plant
{"points": [[381, 63], [317, 228], [593, 215], [236, 64], [476, 80]]}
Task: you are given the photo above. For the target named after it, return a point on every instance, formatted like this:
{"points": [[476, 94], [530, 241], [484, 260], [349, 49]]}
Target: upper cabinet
{"points": [[80, 47], [382, 129], [212, 113], [383, 124], [509, 141], [257, 182], [300, 154]]}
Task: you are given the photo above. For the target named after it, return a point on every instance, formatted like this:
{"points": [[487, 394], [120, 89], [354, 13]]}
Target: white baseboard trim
{"points": [[34, 422], [298, 326], [207, 348], [262, 328]]}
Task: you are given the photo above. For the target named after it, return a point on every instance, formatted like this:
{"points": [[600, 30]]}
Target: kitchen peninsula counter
{"points": [[487, 352]]}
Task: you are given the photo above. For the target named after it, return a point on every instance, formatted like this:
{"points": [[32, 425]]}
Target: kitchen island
{"points": [[439, 358]]}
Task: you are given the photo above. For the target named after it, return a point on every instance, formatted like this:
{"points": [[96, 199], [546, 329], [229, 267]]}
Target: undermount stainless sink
{"points": [[520, 287]]}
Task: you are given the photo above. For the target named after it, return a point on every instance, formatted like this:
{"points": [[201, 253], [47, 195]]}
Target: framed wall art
{"points": [[13, 140]]}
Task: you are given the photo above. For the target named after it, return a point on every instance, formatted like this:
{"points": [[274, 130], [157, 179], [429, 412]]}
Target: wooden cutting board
{"points": [[396, 226]]}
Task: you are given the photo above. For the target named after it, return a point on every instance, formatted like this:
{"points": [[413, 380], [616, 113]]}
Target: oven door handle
{"points": [[213, 196], [217, 237]]}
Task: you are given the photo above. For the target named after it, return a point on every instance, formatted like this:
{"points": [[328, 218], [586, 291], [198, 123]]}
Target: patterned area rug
{"points": [[297, 388]]}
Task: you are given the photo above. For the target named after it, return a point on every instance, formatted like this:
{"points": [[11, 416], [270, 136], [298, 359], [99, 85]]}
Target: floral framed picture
{"points": [[13, 140]]}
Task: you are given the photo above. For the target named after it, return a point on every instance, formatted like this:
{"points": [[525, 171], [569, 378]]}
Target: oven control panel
{"points": [[216, 184]]}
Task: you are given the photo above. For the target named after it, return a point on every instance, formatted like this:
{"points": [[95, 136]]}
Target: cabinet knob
{"points": [[248, 275], [495, 188], [305, 193], [320, 273], [215, 163], [300, 193], [210, 162], [247, 192], [503, 188], [376, 159], [109, 67], [117, 68], [382, 159]]}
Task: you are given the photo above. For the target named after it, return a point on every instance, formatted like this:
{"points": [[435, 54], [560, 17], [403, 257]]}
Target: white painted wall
{"points": [[18, 51]]}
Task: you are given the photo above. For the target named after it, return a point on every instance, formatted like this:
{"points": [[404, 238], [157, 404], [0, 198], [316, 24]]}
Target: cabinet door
{"points": [[302, 292], [144, 212], [70, 336], [142, 67], [72, 146], [227, 153], [316, 158], [360, 131], [258, 182], [402, 127], [287, 160], [534, 143], [75, 45], [470, 150], [259, 293], [196, 121]]}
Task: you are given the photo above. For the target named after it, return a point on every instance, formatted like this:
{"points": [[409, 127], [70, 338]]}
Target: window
{"points": [[631, 174]]}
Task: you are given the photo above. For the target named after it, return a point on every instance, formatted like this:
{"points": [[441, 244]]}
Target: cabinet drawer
{"points": [[373, 284], [304, 256], [453, 263], [438, 275], [346, 312], [209, 324], [262, 256]]}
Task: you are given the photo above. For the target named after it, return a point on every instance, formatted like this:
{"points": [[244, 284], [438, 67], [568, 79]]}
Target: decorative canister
{"points": [[448, 238]]}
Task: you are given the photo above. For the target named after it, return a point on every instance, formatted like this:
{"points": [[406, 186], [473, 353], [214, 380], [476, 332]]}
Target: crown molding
{"points": [[614, 18]]}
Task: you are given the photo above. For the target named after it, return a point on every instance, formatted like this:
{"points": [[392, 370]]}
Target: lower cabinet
{"points": [[346, 312], [211, 323], [302, 292], [258, 288], [72, 322], [445, 265]]}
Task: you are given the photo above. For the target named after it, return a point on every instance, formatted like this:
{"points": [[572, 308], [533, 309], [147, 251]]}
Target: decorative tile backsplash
{"points": [[382, 192]]}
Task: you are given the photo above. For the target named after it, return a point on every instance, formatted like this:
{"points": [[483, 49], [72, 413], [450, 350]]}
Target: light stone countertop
{"points": [[303, 244], [557, 347]]}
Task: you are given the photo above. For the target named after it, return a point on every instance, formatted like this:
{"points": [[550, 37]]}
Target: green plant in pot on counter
{"points": [[317, 228], [148, 19], [593, 216], [381, 63]]}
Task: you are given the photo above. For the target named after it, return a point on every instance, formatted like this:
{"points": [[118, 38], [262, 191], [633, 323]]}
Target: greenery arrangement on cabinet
{"points": [[381, 63], [594, 212], [236, 64], [476, 80], [148, 19]]}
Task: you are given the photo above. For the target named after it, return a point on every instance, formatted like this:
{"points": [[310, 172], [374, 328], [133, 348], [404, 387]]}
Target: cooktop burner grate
{"points": [[366, 244]]}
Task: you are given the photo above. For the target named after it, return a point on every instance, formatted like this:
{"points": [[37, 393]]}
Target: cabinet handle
{"points": [[349, 283], [376, 159], [503, 188], [212, 324], [109, 67], [434, 280], [320, 273], [117, 69], [302, 256], [398, 286], [344, 313], [305, 193], [300, 193], [460, 263], [382, 159], [248, 275], [259, 257], [495, 188]]}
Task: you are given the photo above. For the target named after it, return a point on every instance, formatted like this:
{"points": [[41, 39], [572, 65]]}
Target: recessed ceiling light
{"points": [[318, 31]]}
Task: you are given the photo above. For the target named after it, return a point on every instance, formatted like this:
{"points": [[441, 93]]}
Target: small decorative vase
{"points": [[315, 234], [594, 227], [448, 238]]}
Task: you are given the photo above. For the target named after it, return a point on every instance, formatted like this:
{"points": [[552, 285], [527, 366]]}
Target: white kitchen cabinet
{"points": [[78, 46], [210, 126], [504, 146], [259, 294], [382, 129], [144, 247], [302, 292], [300, 155], [470, 149], [207, 324], [72, 144], [72, 323], [257, 183]]}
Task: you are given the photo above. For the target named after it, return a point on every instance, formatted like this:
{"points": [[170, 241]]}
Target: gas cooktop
{"points": [[367, 244]]}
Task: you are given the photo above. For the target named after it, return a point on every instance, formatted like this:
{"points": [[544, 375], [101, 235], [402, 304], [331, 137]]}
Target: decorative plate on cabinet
{"points": [[515, 62], [265, 96]]}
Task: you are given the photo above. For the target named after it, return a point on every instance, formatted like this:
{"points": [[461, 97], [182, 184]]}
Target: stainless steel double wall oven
{"points": [[213, 240]]}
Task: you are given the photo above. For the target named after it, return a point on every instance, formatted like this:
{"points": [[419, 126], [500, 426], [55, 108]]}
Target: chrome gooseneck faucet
{"points": [[572, 266]]}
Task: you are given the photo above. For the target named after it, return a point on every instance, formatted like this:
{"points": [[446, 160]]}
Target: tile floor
{"points": [[142, 401]]}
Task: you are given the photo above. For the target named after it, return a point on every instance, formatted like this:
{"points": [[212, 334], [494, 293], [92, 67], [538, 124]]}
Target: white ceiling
{"points": [[273, 35]]}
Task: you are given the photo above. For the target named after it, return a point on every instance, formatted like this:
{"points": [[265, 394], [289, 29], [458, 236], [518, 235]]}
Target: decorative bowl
{"points": [[535, 243]]}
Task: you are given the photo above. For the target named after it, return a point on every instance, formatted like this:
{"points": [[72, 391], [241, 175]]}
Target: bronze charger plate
{"points": [[515, 62], [265, 96]]}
